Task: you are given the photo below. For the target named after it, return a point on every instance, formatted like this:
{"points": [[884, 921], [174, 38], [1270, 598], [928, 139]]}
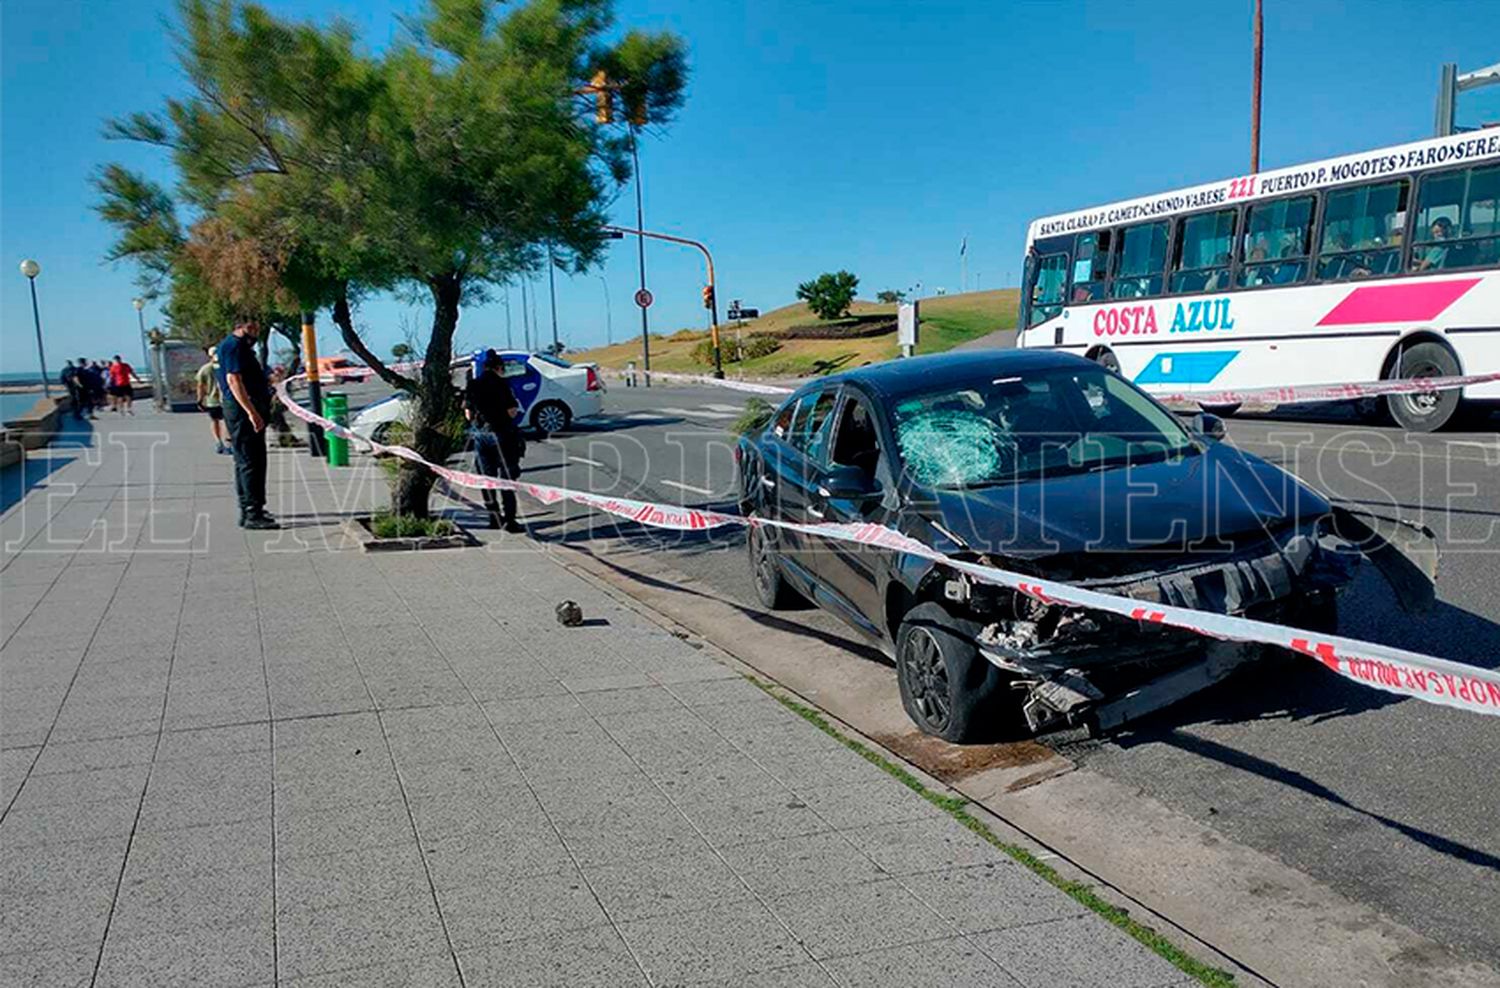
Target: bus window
{"points": [[1091, 268], [1143, 257], [1362, 229], [1047, 289], [1204, 245], [1458, 220], [1273, 249]]}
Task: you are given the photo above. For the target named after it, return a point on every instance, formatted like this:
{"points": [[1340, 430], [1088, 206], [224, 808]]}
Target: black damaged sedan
{"points": [[1045, 464]]}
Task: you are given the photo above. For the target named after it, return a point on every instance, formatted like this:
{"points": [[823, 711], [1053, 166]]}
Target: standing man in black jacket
{"points": [[247, 405], [492, 409]]}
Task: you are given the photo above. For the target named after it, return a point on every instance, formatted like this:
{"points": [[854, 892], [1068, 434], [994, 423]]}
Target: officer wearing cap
{"points": [[495, 416]]}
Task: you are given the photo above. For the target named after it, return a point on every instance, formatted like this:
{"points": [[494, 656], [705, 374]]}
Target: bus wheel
{"points": [[1222, 411], [1107, 359], [1424, 411]]}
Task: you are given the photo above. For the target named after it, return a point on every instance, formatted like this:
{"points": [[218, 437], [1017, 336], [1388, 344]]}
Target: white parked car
{"points": [[552, 392]]}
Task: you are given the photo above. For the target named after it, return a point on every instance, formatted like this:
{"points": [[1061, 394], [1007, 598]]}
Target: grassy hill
{"points": [[946, 322]]}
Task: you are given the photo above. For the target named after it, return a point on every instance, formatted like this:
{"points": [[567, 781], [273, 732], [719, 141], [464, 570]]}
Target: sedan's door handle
{"points": [[768, 483], [816, 513]]}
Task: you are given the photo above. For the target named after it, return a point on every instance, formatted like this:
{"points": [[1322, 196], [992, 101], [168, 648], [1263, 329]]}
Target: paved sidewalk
{"points": [[239, 758]]}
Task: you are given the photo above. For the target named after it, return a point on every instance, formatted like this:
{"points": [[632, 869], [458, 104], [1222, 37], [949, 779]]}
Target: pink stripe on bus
{"points": [[1397, 303]]}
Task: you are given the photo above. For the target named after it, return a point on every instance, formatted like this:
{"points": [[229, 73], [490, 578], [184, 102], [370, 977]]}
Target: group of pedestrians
{"points": [[91, 386]]}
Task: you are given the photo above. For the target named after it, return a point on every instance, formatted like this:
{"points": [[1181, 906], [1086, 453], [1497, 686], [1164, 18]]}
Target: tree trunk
{"points": [[434, 430]]}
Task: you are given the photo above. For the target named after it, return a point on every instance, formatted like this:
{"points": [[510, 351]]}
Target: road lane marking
{"points": [[688, 487], [584, 459], [736, 409], [699, 413]]}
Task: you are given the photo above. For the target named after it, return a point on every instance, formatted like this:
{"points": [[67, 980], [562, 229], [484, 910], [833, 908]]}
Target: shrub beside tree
{"points": [[830, 294]]}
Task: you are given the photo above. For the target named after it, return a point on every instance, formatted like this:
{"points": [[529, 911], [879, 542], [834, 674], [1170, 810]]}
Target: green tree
{"points": [[890, 297], [830, 294], [439, 169], [402, 351]]}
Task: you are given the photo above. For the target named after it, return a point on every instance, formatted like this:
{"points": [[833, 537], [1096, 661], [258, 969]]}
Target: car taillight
{"points": [[594, 384]]}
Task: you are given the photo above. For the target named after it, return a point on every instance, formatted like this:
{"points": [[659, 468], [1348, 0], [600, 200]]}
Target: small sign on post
{"points": [[644, 298], [906, 327]]}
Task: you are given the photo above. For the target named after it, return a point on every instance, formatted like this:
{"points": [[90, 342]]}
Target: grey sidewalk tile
{"points": [[300, 793], [111, 753], [455, 813], [712, 692], [54, 919], [853, 919], [437, 971], [61, 866], [722, 942], [162, 903], [812, 768], [413, 750], [531, 710], [323, 940], [592, 958], [717, 776], [867, 804], [490, 776], [57, 967], [766, 815], [239, 844], [443, 719], [993, 897], [674, 883], [808, 975], [1085, 952], [634, 838], [612, 681], [537, 905], [209, 742], [489, 858], [65, 823], [592, 801], [797, 864], [635, 699], [327, 880], [933, 844], [183, 803], [952, 963], [345, 829], [223, 957]]}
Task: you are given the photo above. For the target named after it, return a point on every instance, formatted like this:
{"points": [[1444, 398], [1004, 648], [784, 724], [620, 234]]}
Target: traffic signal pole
{"points": [[710, 293]]}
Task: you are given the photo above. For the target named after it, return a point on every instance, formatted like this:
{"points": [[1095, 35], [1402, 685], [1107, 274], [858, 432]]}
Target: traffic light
{"points": [[708, 296], [604, 100]]}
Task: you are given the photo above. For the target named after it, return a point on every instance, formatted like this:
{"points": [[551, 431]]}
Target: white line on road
{"points": [[585, 459], [689, 487], [699, 413], [736, 409]]}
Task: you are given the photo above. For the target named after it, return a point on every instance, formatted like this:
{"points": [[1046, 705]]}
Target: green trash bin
{"points": [[336, 407]]}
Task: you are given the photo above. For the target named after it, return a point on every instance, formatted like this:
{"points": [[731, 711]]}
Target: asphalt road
{"points": [[1392, 802]]}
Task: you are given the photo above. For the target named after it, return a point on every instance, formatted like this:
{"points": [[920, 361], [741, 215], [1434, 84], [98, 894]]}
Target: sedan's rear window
{"points": [[1001, 430]]}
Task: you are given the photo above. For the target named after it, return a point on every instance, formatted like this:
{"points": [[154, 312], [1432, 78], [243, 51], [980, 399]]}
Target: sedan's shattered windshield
{"points": [[1001, 430]]}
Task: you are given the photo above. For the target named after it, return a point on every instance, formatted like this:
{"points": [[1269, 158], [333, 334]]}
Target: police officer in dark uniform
{"points": [[247, 406], [492, 409]]}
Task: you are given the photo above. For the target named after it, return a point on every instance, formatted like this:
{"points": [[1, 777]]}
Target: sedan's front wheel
{"points": [[948, 689], [551, 417]]}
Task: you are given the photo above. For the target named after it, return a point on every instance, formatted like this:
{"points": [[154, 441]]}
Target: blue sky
{"points": [[817, 135]]}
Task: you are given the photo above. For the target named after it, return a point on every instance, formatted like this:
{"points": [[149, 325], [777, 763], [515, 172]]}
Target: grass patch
{"points": [[386, 525], [957, 807], [757, 413]]}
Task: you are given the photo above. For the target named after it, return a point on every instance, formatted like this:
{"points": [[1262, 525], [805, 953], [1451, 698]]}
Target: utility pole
{"points": [[552, 290], [640, 225], [1450, 83], [609, 327], [710, 291], [315, 444], [1255, 92]]}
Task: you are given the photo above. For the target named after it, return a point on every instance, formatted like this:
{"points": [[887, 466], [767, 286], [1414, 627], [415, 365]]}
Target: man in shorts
{"points": [[211, 400], [120, 392]]}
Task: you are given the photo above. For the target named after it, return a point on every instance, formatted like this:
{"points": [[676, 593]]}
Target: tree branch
{"points": [[345, 323]]}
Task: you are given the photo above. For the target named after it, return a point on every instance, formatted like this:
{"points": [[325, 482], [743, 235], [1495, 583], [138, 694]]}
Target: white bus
{"points": [[1373, 266]]}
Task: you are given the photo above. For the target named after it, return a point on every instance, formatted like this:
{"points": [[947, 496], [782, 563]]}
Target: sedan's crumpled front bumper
{"points": [[1080, 666]]}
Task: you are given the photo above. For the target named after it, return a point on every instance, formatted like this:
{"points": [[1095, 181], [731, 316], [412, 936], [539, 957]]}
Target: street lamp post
{"points": [[640, 223], [31, 269], [552, 291], [711, 296], [140, 318]]}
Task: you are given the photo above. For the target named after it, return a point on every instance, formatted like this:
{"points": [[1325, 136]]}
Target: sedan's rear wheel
{"points": [[948, 689], [771, 587]]}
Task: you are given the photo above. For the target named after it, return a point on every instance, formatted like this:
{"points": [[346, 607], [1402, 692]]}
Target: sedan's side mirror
{"points": [[848, 482], [1209, 426]]}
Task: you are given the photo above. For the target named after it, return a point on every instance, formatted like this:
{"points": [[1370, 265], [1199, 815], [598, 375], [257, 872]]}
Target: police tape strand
{"points": [[1279, 395], [1383, 667]]}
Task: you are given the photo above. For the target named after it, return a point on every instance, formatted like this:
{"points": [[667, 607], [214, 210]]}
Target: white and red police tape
{"points": [[1394, 670], [1279, 396]]}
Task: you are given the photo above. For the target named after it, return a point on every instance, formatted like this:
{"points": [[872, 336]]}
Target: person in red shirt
{"points": [[120, 393]]}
